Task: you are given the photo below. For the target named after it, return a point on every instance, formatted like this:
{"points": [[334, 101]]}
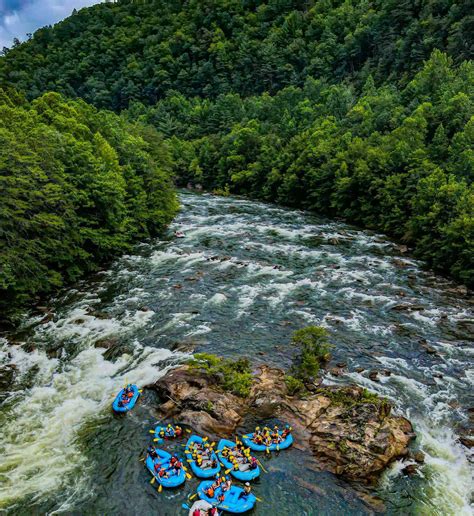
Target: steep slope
{"points": [[116, 52]]}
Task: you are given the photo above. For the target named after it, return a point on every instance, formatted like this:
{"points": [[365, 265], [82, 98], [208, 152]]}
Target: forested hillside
{"points": [[360, 109], [77, 186], [112, 53]]}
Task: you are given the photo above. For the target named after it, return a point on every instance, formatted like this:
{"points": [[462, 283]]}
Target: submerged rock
{"points": [[374, 376], [349, 431], [411, 469]]}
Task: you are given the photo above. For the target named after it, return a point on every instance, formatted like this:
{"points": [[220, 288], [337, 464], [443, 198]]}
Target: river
{"points": [[246, 275]]}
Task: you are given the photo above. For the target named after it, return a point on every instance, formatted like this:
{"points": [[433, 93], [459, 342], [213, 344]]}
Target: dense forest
{"points": [[400, 160], [358, 109], [77, 186], [113, 53]]}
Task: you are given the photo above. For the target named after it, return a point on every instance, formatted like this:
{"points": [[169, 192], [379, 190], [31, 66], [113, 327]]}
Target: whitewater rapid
{"points": [[245, 276]]}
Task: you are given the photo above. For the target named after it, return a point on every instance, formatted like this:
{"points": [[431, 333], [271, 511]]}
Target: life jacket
{"points": [[130, 394], [196, 512], [210, 492], [162, 472]]}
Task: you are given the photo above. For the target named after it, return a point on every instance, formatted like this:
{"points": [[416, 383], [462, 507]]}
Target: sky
{"points": [[19, 17]]}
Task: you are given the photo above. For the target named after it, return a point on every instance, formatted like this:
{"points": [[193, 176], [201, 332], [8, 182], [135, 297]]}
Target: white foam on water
{"points": [[355, 322], [394, 362], [247, 294], [280, 291], [80, 325], [255, 270], [176, 256], [39, 448], [470, 376], [449, 487], [202, 329], [430, 317], [217, 299], [374, 299], [178, 319], [394, 470]]}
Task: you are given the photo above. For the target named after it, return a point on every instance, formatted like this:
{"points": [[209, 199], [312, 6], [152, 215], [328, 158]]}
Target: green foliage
{"points": [[293, 385], [223, 192], [314, 347], [356, 109], [117, 52], [232, 375], [399, 160], [78, 186], [347, 398]]}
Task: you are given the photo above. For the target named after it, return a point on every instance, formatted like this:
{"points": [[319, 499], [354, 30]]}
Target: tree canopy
{"points": [[77, 186], [361, 109]]}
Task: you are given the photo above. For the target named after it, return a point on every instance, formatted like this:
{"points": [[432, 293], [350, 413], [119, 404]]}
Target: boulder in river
{"points": [[349, 431]]}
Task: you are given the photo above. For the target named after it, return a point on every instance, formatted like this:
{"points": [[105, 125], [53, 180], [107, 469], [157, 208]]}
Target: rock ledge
{"points": [[349, 432]]}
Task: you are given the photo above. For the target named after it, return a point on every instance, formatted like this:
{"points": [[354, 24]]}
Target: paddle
{"points": [[193, 496], [142, 459], [152, 481], [160, 488], [261, 465], [140, 390], [188, 476], [258, 499], [158, 440], [185, 506], [268, 449], [188, 430], [278, 447], [151, 431]]}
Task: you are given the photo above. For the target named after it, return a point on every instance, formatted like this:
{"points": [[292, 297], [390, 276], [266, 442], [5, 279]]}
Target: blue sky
{"points": [[18, 17]]}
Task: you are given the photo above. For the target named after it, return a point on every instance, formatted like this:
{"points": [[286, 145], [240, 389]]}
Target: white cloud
{"points": [[16, 22]]}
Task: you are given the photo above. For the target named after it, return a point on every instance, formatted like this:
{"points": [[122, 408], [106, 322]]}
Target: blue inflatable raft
{"points": [[286, 443], [173, 479], [206, 472], [244, 473], [167, 435], [232, 502], [118, 407]]}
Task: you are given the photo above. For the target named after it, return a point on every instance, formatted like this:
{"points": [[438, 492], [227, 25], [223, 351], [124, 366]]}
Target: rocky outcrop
{"points": [[349, 432]]}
